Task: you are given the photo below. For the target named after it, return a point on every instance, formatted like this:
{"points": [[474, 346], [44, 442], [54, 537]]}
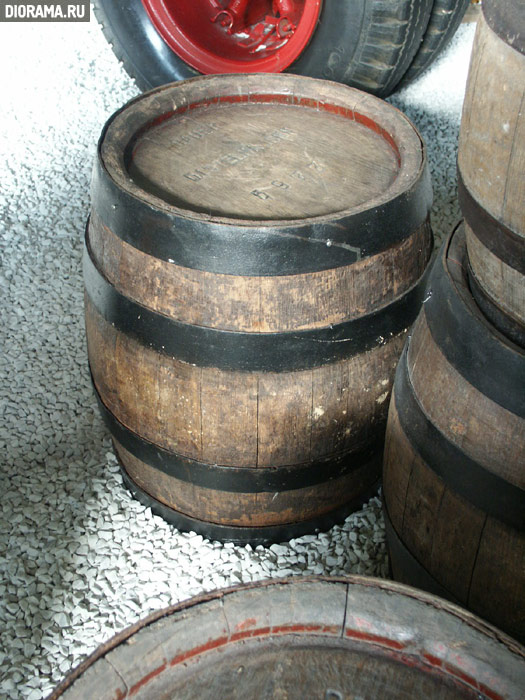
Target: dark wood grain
{"points": [[249, 510], [491, 162], [450, 448], [260, 304], [239, 418]]}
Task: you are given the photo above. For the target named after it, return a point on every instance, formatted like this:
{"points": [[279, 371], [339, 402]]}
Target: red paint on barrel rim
{"points": [[270, 98], [146, 679], [408, 659]]}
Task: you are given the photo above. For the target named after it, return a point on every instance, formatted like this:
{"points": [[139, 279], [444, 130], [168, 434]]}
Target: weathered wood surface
{"points": [[332, 639], [501, 284], [260, 304], [491, 155], [454, 463], [283, 231], [250, 510], [306, 148], [243, 419], [491, 159], [291, 180]]}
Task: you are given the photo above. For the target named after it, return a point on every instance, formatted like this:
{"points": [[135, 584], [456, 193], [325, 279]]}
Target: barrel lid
{"points": [[260, 175], [261, 148]]}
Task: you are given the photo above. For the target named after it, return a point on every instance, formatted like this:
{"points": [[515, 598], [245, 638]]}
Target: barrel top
{"points": [[306, 638], [261, 148]]}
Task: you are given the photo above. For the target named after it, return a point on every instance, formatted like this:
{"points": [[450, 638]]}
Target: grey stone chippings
{"points": [[80, 559]]}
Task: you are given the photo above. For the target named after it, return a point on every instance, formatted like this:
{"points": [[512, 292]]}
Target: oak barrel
{"points": [[332, 639], [454, 465], [254, 256], [491, 165]]}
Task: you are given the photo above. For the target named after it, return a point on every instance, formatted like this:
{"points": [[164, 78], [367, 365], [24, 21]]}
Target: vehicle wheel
{"points": [[369, 44], [445, 19]]}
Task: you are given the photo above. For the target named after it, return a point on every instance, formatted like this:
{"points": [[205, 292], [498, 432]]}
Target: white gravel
{"points": [[79, 558]]}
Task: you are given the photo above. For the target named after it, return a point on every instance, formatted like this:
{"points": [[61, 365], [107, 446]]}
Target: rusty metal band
{"points": [[265, 352], [485, 490], [506, 18], [247, 535], [492, 365], [406, 568], [502, 241], [512, 329], [241, 479], [259, 250]]}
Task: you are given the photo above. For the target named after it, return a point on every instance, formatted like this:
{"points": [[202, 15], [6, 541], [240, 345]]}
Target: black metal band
{"points": [[502, 241], [247, 535], [503, 322], [407, 569], [272, 352], [507, 19], [239, 479], [259, 250], [487, 360], [485, 490]]}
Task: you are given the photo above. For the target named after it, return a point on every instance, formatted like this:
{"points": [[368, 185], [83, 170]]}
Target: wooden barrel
{"points": [[491, 164], [309, 638], [454, 466], [253, 259]]}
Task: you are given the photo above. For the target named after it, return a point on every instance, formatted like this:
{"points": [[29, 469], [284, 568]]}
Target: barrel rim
{"points": [[259, 250], [487, 359], [112, 163], [508, 646]]}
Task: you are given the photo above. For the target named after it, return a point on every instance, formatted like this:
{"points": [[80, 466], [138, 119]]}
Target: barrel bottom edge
{"points": [[248, 535]]}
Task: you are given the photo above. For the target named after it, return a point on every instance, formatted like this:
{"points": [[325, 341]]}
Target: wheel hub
{"points": [[232, 36]]}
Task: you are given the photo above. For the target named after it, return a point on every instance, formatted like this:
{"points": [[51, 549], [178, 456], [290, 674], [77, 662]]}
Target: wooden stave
{"points": [[506, 323], [489, 163], [497, 266], [371, 438], [416, 485], [383, 618], [340, 293], [264, 534], [371, 434], [494, 596], [240, 351]]}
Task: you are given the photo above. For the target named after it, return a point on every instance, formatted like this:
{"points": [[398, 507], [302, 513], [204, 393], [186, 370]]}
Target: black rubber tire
{"points": [[369, 44], [445, 19]]}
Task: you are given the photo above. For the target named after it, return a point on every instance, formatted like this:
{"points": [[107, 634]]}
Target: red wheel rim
{"points": [[235, 36]]}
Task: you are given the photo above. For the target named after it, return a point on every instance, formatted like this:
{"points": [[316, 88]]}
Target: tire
{"points": [[445, 19], [369, 44]]}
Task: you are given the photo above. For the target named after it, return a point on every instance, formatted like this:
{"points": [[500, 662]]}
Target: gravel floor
{"points": [[79, 558]]}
